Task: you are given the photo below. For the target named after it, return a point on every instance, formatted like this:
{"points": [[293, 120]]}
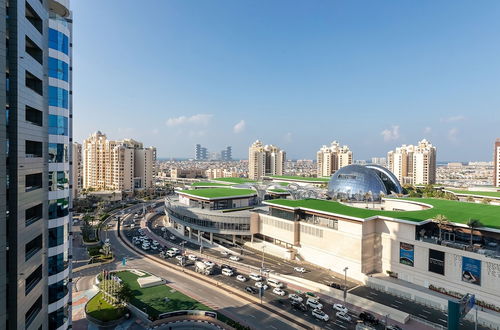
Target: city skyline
{"points": [[359, 73]]}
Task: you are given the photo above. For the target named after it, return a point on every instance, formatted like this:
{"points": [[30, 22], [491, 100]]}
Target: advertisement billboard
{"points": [[471, 270], [436, 261], [406, 254]]}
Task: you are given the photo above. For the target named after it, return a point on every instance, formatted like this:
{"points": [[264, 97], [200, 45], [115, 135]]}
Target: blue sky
{"points": [[297, 74]]}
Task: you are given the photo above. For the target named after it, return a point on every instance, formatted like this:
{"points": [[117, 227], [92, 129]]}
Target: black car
{"points": [[299, 306], [251, 289], [368, 318], [336, 286], [225, 266]]}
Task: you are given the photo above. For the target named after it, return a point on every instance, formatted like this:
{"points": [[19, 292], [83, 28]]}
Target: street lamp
{"points": [[262, 265], [345, 283]]}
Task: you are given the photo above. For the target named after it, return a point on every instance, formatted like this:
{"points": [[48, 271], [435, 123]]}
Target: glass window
{"points": [[58, 180], [58, 125], [58, 208], [58, 291], [59, 317], [58, 97], [58, 69], [58, 41], [57, 263], [57, 236], [58, 153]]}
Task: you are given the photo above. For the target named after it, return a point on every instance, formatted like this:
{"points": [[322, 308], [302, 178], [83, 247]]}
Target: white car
{"points": [[279, 292], [209, 263], [176, 250], [343, 316], [227, 272], [340, 308], [299, 269], [314, 303], [155, 243], [106, 240], [172, 237], [224, 253], [295, 297], [320, 315], [234, 258], [154, 247], [145, 246], [261, 285], [163, 229], [192, 257], [241, 278], [274, 283], [180, 258], [255, 277]]}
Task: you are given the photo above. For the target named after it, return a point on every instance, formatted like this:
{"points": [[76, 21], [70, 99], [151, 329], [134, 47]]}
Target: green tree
{"points": [[486, 201], [470, 199], [473, 224], [441, 221]]}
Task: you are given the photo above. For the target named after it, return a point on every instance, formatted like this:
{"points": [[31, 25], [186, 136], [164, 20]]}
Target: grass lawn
{"points": [[477, 193], [219, 192], [459, 212], [279, 191], [100, 309], [208, 184], [300, 178], [152, 299], [234, 180]]}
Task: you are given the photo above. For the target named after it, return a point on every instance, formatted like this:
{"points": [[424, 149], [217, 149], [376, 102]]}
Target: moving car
{"points": [[241, 278], [320, 315], [343, 316], [172, 237], [251, 290], [368, 318], [192, 257], [299, 269], [295, 297], [298, 306], [393, 327], [234, 258], [209, 263], [314, 303], [227, 272], [180, 258], [279, 292], [274, 283], [340, 308], [226, 266], [261, 285], [224, 253], [255, 277]]}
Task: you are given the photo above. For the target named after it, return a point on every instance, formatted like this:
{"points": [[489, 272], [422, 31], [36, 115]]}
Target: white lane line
{"points": [[251, 315], [421, 315], [399, 302], [340, 325], [272, 326], [374, 293], [423, 310], [396, 306], [443, 320]]}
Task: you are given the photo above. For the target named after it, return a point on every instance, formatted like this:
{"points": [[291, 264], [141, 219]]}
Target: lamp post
{"points": [[262, 265], [345, 283]]}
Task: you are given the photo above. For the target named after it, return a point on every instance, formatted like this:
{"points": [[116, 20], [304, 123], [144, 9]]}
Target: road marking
{"points": [[251, 315], [328, 327], [340, 325], [443, 320], [374, 293], [423, 310], [421, 315], [399, 302], [394, 305]]}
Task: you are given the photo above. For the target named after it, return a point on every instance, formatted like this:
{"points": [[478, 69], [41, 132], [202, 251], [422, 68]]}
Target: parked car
{"points": [[298, 306], [145, 246], [343, 316], [299, 269], [241, 278], [172, 237], [251, 290], [368, 318], [154, 247], [295, 297], [393, 327], [336, 286], [279, 292], [155, 243], [261, 285], [314, 303], [320, 315], [255, 277], [340, 308]]}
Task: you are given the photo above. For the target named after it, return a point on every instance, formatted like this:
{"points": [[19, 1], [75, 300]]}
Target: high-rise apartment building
{"points": [[330, 159], [77, 169], [200, 153], [413, 164], [226, 154], [35, 197], [265, 160], [496, 164], [117, 165]]}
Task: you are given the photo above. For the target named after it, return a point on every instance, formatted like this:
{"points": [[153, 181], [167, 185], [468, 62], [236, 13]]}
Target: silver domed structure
{"points": [[360, 183]]}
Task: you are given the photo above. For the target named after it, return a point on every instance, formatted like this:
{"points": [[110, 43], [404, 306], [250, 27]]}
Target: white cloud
{"points": [[427, 130], [239, 127], [198, 119], [453, 119], [288, 137], [391, 134], [453, 134]]}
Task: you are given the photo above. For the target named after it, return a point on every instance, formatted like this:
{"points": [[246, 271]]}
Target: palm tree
{"points": [[441, 221], [473, 224]]}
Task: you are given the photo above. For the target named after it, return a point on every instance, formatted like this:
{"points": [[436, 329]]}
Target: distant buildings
{"points": [[496, 162], [117, 165], [215, 173], [265, 160], [226, 154], [382, 161], [202, 154], [330, 159], [414, 164]]}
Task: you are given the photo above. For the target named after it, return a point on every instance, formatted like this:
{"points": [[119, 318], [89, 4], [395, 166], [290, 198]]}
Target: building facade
{"points": [[77, 169], [265, 160], [35, 289], [414, 164], [200, 153], [117, 165], [226, 154], [496, 164], [332, 158]]}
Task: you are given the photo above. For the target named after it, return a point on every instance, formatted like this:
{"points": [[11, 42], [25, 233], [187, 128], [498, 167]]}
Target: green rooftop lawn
{"points": [[299, 178], [234, 180], [459, 212], [219, 192], [478, 193], [152, 299], [100, 309], [208, 184]]}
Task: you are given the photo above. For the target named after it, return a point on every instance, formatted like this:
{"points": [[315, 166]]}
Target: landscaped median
{"points": [[101, 312]]}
